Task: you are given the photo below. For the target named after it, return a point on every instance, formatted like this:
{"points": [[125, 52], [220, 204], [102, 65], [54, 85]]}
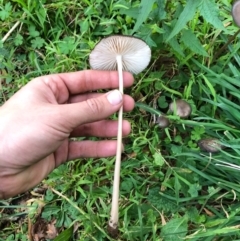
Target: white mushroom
{"points": [[122, 53], [110, 51], [236, 12]]}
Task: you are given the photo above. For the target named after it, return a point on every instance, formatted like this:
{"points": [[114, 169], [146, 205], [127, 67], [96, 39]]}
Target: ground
{"points": [[170, 188]]}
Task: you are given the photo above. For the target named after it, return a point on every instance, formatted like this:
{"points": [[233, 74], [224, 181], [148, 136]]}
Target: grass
{"points": [[170, 189]]}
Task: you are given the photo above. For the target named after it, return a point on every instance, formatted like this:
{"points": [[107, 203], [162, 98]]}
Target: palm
{"points": [[38, 121]]}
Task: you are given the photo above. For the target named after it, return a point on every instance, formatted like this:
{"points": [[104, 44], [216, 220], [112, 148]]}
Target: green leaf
{"points": [[193, 215], [208, 9], [176, 46], [160, 11], [127, 185], [41, 14], [158, 159], [131, 12], [162, 102], [84, 26], [145, 33], [37, 43], [32, 31], [18, 40], [190, 40], [151, 216], [145, 9], [172, 42], [66, 235], [193, 189], [175, 149], [6, 11], [186, 15], [175, 230], [160, 202], [66, 46]]}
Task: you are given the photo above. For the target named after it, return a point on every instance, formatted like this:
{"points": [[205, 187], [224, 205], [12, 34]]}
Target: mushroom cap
{"points": [[236, 13], [210, 145], [183, 109], [163, 122], [135, 54]]}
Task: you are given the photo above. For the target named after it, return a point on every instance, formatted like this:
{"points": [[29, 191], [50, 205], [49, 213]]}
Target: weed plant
{"points": [[170, 189]]}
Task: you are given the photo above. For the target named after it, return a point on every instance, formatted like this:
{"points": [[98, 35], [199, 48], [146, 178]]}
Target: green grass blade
{"points": [[186, 15], [145, 9]]}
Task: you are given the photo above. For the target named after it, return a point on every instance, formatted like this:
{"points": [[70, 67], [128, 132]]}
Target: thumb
{"points": [[93, 109]]}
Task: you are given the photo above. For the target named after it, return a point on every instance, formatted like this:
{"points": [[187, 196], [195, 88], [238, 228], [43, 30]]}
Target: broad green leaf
{"points": [[148, 40], [37, 43], [159, 12], [208, 9], [162, 102], [131, 12], [186, 15], [160, 202], [127, 185], [18, 40], [145, 9], [66, 235], [193, 189], [190, 40], [173, 42], [176, 46], [84, 26], [193, 215], [158, 159], [66, 46], [6, 11], [175, 229], [32, 31], [161, 9]]}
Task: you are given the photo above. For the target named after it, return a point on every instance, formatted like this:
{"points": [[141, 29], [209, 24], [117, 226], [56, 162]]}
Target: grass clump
{"points": [[170, 189]]}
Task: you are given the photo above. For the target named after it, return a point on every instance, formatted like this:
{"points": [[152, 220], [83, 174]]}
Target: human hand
{"points": [[37, 122]]}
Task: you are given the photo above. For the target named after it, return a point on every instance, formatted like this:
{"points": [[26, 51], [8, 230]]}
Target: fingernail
{"points": [[114, 97]]}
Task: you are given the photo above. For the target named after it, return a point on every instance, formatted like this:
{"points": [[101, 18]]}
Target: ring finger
{"points": [[104, 128]]}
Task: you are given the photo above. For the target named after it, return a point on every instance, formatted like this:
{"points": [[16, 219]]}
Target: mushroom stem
{"points": [[120, 72], [113, 223], [129, 54]]}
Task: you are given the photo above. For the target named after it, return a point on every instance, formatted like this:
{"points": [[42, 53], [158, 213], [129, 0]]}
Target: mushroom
{"points": [[236, 13], [122, 53], [211, 145], [181, 108], [162, 121]]}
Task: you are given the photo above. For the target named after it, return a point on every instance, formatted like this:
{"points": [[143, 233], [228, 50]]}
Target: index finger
{"points": [[88, 80]]}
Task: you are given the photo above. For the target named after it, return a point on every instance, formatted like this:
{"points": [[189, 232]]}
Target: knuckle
{"points": [[94, 105]]}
